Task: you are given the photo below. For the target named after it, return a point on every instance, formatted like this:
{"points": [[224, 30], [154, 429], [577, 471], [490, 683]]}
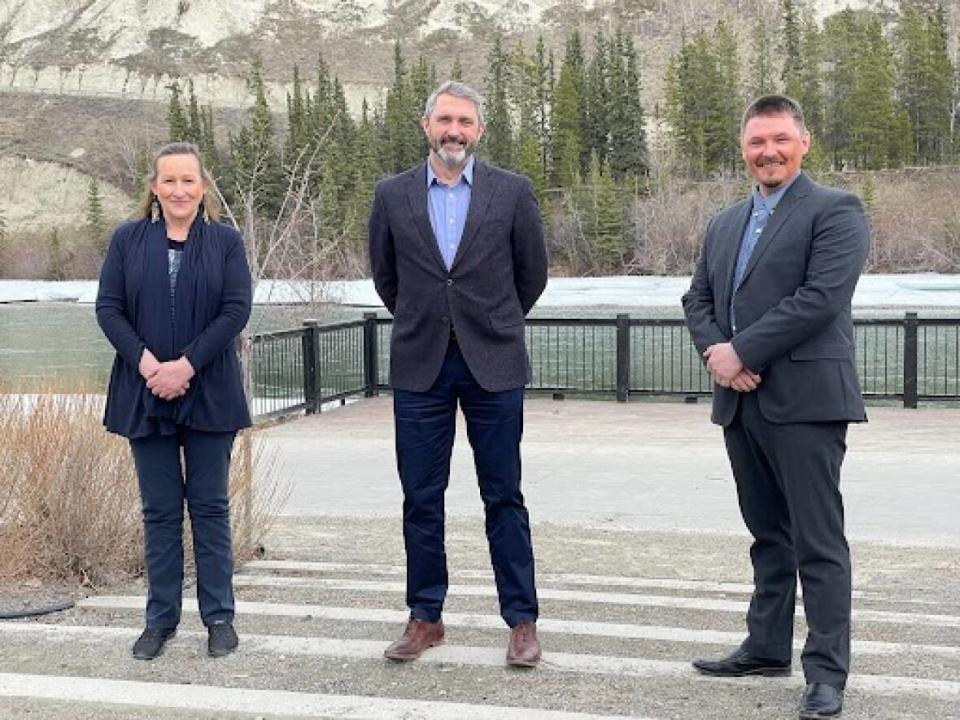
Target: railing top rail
{"points": [[948, 322], [345, 325], [277, 334], [572, 322]]}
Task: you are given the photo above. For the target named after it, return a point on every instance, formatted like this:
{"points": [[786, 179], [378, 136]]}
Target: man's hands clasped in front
{"points": [[727, 369]]}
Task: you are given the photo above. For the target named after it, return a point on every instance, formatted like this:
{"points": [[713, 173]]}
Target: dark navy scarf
{"points": [[196, 301]]}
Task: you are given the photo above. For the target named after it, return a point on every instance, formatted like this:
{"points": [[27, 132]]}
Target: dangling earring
{"points": [[154, 210], [204, 213]]}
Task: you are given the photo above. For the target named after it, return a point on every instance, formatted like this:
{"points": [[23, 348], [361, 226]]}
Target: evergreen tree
{"points": [[365, 175], [527, 145], [696, 107], [194, 125], [601, 214], [56, 263], [142, 169], [925, 83], [727, 141], [96, 218], [866, 128], [298, 120], [598, 103], [456, 73], [177, 121], [499, 135], [543, 84], [256, 165], [761, 80], [342, 155], [627, 154], [401, 120], [423, 80], [208, 146], [841, 36], [793, 55], [807, 89], [566, 119], [880, 137]]}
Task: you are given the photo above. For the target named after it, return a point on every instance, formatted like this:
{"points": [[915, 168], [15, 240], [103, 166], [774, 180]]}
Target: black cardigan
{"points": [[215, 401]]}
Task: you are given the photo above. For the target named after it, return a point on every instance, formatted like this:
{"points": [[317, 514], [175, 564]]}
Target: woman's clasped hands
{"points": [[166, 380]]}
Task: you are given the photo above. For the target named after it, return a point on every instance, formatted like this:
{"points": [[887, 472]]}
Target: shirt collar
{"points": [[773, 199], [466, 175]]}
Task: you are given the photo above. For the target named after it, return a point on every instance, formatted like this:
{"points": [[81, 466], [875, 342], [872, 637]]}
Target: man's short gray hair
{"points": [[457, 89]]}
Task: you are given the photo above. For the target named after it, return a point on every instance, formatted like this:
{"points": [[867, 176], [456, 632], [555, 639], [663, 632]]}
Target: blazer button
{"points": [[449, 281]]}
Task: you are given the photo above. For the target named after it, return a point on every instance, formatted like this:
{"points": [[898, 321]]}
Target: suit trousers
{"points": [[425, 423], [202, 480], [788, 486]]}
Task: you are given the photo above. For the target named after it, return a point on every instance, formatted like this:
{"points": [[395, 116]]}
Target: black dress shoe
{"points": [[151, 641], [741, 663], [820, 700], [221, 639]]}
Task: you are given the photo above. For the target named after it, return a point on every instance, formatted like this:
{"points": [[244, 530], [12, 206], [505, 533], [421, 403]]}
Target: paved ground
{"points": [[638, 465], [642, 565]]}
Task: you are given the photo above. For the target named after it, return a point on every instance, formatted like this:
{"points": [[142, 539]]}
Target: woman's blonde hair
{"points": [[211, 203]]}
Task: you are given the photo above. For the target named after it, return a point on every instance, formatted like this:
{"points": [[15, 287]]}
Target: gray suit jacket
{"points": [[499, 272], [794, 323]]}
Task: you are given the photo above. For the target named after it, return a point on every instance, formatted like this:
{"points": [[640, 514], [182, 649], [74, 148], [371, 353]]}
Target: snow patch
{"points": [[900, 291]]}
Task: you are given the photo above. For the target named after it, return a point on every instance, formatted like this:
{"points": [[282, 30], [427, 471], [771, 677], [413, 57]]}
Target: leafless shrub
{"points": [[914, 219], [69, 504], [667, 225], [33, 255]]}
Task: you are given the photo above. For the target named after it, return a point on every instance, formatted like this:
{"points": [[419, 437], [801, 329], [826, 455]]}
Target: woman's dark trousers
{"points": [[165, 483]]}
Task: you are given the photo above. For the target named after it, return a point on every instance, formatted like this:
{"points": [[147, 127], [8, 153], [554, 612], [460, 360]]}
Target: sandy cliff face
{"points": [[133, 48]]}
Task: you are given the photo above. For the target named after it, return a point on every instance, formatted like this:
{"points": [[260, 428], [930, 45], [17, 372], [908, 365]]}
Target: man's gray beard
{"points": [[453, 160]]}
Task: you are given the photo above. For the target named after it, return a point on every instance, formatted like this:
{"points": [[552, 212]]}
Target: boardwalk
{"points": [[630, 590]]}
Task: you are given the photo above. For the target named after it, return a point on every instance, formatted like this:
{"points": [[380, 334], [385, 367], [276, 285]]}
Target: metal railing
{"points": [[908, 359]]}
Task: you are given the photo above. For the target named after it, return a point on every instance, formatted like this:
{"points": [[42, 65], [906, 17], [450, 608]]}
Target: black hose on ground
{"points": [[37, 611]]}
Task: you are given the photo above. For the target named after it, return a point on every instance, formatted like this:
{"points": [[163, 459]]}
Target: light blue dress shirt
{"points": [[763, 208], [448, 206]]}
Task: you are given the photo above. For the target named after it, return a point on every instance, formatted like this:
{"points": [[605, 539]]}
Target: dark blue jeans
{"points": [[165, 482], [425, 424]]}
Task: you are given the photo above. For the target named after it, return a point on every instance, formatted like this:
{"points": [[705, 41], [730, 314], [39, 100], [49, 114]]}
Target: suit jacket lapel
{"points": [[788, 203], [417, 197], [728, 260], [480, 195]]}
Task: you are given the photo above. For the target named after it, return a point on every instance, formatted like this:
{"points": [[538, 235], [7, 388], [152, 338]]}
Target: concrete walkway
{"points": [[638, 466]]}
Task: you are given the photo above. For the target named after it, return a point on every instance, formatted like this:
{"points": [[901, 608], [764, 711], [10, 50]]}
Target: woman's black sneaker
{"points": [[151, 641], [221, 639]]}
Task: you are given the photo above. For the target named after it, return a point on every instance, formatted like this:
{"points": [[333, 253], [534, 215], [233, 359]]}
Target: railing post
{"points": [[371, 356], [623, 357], [910, 360], [311, 343]]}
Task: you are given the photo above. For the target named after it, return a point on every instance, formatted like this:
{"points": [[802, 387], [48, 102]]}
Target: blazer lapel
{"points": [[417, 197], [788, 203], [728, 260], [480, 195]]}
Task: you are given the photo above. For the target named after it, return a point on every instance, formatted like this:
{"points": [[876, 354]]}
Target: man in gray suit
{"points": [[769, 308], [458, 257]]}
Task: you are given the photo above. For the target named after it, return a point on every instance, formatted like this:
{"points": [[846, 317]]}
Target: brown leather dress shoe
{"points": [[418, 636], [524, 648]]}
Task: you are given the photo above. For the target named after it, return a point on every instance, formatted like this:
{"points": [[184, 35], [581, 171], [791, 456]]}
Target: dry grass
{"points": [[69, 505]]}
